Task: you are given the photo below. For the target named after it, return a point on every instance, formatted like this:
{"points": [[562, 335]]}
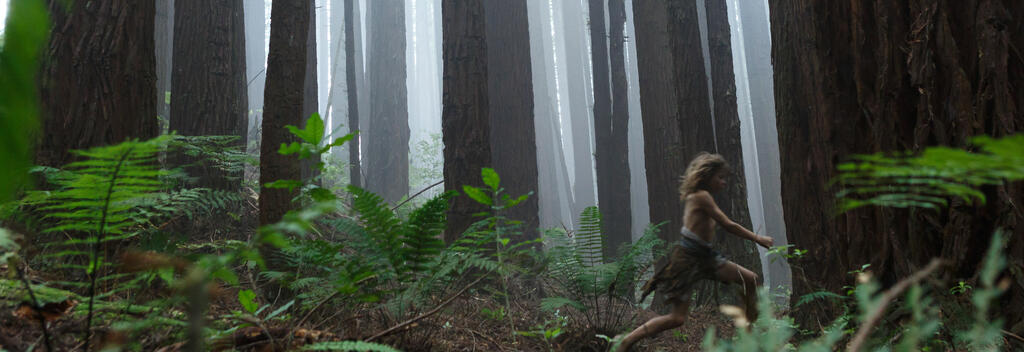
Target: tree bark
{"points": [[310, 95], [286, 70], [164, 36], [98, 77], [732, 200], [465, 121], [208, 83], [353, 96], [905, 76], [616, 208], [387, 139], [662, 152], [513, 137]]}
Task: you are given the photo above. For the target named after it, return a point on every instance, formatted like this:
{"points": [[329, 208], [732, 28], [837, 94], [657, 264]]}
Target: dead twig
{"points": [[1010, 334], [427, 314], [887, 297], [417, 194]]}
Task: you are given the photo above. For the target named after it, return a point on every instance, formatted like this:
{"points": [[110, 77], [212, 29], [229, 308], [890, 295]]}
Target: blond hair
{"points": [[701, 169]]}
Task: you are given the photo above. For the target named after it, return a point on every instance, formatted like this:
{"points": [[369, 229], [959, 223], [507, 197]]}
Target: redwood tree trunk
{"points": [[208, 82], [732, 200], [355, 172], [310, 97], [98, 78], [387, 139], [465, 122], [616, 208], [510, 85], [286, 69], [904, 76], [164, 36], [663, 156]]}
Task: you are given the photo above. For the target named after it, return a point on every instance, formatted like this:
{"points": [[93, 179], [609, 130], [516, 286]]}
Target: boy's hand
{"points": [[765, 241]]}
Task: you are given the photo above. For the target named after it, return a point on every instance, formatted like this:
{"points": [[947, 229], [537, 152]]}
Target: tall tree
{"points": [[355, 171], [465, 122], [208, 85], [577, 69], [733, 200], [510, 85], [905, 75], [662, 152], [286, 72], [387, 139], [98, 78], [164, 33], [611, 126], [310, 93]]}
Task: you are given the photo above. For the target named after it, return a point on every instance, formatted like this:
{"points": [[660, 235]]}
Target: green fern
{"points": [[589, 240], [97, 197], [818, 295], [575, 275], [930, 179], [349, 346]]}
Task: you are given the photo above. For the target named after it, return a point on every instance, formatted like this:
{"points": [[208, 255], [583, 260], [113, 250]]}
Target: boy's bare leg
{"points": [[749, 282], [656, 325]]}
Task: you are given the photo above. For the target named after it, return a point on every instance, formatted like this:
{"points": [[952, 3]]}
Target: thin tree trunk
{"points": [[310, 93], [353, 96], [208, 81], [466, 119], [98, 77], [513, 138], [617, 211], [904, 76], [164, 51], [387, 139], [733, 200], [577, 70], [611, 228]]}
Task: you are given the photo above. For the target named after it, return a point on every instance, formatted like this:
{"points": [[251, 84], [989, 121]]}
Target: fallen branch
{"points": [[887, 297], [1010, 334], [417, 194], [427, 314]]}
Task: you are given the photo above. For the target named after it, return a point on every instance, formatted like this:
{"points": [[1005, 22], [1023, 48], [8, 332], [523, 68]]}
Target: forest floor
{"points": [[462, 326]]}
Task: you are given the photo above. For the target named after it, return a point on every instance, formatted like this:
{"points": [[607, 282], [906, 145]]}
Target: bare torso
{"points": [[698, 219]]}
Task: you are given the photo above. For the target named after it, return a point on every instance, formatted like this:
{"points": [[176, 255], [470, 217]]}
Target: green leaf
{"points": [[491, 178], [478, 195], [25, 34], [289, 149], [341, 141], [278, 311], [314, 131], [248, 300], [291, 185], [514, 202], [320, 194]]}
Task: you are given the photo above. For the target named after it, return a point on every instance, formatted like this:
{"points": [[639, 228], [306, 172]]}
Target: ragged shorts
{"points": [[692, 259]]}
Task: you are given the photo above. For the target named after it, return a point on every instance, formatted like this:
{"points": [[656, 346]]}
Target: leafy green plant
{"points": [[26, 33], [600, 291], [929, 179], [548, 330]]}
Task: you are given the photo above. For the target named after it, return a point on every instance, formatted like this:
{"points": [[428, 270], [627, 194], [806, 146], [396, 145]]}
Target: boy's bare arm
{"points": [[706, 202]]}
